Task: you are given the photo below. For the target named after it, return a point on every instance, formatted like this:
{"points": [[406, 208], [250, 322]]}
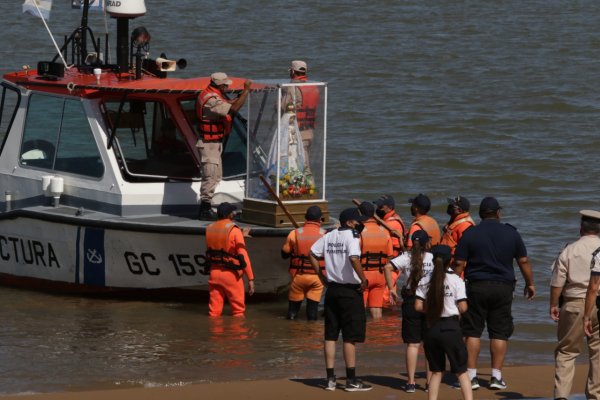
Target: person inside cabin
{"points": [[215, 113]]}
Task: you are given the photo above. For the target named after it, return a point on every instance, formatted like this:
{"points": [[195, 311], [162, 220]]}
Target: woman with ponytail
{"points": [[416, 265], [442, 297]]}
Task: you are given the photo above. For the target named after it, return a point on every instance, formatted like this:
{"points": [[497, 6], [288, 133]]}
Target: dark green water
{"points": [[469, 98]]}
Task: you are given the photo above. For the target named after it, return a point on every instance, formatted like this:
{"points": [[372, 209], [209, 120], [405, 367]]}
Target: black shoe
{"points": [[356, 385], [206, 212]]}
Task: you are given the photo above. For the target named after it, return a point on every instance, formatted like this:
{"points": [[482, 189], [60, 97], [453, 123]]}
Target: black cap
{"points": [[367, 209], [442, 251], [313, 213], [489, 204], [460, 202], [420, 236], [385, 200], [351, 214], [224, 209], [422, 202]]}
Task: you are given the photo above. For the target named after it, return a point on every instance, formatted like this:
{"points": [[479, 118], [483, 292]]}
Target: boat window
{"points": [[234, 152], [9, 104], [150, 142], [57, 123]]}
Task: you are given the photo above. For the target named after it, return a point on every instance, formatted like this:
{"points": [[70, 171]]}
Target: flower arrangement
{"points": [[295, 184]]}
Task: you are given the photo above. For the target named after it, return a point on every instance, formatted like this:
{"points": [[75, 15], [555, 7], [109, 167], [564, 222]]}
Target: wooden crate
{"points": [[270, 214]]}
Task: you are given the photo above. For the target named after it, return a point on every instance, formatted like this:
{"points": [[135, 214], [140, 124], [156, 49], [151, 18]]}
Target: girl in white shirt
{"points": [[442, 297]]}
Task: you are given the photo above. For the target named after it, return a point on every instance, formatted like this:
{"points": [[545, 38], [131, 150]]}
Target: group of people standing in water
{"points": [[455, 283]]}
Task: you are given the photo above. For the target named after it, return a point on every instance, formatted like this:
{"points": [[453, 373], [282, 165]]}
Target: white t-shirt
{"points": [[336, 247], [454, 291], [402, 264]]}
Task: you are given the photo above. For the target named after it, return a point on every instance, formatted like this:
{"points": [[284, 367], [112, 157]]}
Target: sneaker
{"points": [[331, 384], [426, 390], [474, 384], [356, 385], [497, 384], [410, 388]]}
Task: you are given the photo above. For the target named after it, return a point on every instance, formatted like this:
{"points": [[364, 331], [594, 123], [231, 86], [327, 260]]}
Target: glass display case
{"points": [[287, 134]]}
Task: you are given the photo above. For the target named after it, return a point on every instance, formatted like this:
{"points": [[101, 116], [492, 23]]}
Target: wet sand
{"points": [[524, 382]]}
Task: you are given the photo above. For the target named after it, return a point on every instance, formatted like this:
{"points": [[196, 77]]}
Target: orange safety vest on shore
{"points": [[212, 130], [395, 222], [430, 226], [453, 231], [374, 246], [306, 114], [218, 253], [305, 238]]}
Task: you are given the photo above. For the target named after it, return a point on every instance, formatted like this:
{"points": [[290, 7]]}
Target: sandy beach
{"points": [[524, 382]]}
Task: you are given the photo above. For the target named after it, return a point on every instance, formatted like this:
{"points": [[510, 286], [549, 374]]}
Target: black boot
{"points": [[206, 212], [293, 308]]}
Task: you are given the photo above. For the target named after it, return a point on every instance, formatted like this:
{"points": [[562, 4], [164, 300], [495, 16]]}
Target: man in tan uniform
{"points": [[215, 113], [570, 278]]}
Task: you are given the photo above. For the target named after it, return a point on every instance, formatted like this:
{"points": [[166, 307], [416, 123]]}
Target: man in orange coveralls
{"points": [[305, 282], [228, 260]]}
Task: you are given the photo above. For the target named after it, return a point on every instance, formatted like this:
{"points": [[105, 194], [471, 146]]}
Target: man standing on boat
{"points": [[419, 207], [487, 251], [305, 282], [228, 260], [344, 307], [304, 100], [215, 113], [568, 288], [460, 220]]}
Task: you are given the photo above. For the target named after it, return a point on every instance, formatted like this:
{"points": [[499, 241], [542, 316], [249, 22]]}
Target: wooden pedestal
{"points": [[270, 214]]}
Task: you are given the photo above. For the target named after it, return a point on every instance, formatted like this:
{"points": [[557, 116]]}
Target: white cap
{"points": [[592, 215], [298, 65], [220, 78]]}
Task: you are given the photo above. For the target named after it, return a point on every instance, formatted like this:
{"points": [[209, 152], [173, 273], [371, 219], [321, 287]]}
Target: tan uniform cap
{"points": [[298, 65], [220, 78], [591, 215]]}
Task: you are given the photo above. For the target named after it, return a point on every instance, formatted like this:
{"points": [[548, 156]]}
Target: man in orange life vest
{"points": [[375, 249], [386, 211], [420, 206], [305, 101], [305, 282], [228, 260], [215, 113], [460, 220]]}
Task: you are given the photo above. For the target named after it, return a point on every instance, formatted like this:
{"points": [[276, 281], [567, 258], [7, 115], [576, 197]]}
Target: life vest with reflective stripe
{"points": [[212, 130], [218, 253], [373, 246], [447, 237], [395, 221], [306, 113], [429, 225], [305, 238]]}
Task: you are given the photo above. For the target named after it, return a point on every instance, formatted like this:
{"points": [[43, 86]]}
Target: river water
{"points": [[470, 98]]}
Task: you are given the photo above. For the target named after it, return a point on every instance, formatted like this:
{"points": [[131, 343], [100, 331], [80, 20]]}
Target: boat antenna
{"points": [[52, 37]]}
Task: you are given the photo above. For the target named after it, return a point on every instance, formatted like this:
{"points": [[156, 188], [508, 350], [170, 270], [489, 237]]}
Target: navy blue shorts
{"points": [[414, 324], [444, 339]]}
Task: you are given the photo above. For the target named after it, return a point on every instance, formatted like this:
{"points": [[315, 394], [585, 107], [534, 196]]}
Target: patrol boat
{"points": [[101, 179]]}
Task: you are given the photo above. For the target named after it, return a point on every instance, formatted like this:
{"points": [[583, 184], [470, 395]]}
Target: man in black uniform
{"points": [[487, 251]]}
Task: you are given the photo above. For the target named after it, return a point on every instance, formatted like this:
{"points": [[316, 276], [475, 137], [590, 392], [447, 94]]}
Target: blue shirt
{"points": [[489, 250]]}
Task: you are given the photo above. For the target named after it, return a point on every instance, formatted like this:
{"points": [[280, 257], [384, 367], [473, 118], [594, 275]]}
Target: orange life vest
{"points": [[305, 238], [430, 226], [395, 220], [218, 253], [212, 130], [306, 114], [448, 238], [373, 246]]}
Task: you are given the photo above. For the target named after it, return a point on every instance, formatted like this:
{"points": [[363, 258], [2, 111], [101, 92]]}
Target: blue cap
{"points": [[367, 209], [224, 209], [489, 204], [351, 214], [422, 202], [442, 251], [385, 200], [420, 236], [313, 213]]}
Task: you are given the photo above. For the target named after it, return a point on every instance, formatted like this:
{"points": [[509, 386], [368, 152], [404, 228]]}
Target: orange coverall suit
{"points": [[305, 283], [396, 223], [228, 260]]}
